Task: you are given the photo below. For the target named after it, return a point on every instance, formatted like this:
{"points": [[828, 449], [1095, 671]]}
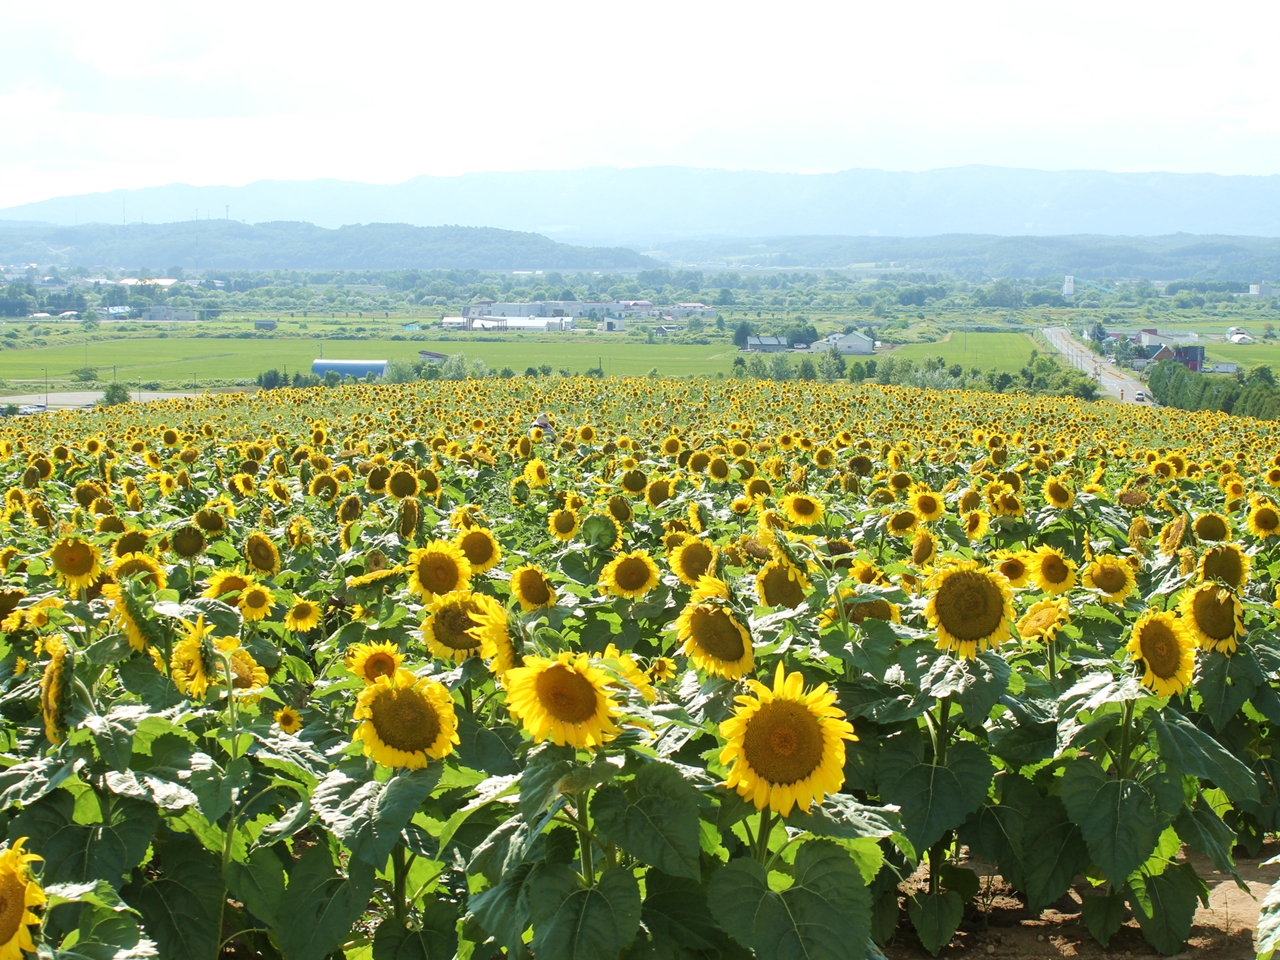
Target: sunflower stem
{"points": [[401, 876], [1052, 648], [767, 821], [942, 734], [585, 840], [228, 840], [1125, 724]]}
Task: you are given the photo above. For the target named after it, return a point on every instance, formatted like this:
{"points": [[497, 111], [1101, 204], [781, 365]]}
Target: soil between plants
{"points": [[1006, 930]]}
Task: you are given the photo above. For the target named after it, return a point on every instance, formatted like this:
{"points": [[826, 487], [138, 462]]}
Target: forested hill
{"points": [[283, 245]]}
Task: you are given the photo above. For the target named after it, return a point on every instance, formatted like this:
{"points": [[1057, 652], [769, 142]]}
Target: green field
{"points": [[181, 358], [1247, 355], [1001, 351]]}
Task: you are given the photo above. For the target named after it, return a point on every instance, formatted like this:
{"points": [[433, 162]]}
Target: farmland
{"points": [[1004, 352]]}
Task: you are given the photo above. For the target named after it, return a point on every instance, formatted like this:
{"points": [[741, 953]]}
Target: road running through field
{"points": [[1114, 383]]}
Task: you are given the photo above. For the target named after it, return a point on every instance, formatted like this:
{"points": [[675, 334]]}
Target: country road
{"points": [[1115, 383]]}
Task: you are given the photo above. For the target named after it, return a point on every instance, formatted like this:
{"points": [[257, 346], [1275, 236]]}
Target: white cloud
{"points": [[136, 93]]}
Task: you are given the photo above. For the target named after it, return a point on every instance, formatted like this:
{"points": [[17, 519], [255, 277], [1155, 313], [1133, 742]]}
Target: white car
{"points": [[1140, 396]]}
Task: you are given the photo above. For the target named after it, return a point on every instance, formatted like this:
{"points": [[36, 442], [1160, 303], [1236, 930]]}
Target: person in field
{"points": [[542, 422]]}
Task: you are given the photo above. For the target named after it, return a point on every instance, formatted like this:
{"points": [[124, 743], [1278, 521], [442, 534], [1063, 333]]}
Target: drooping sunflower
{"points": [[715, 640], [692, 559], [481, 549], [628, 669], [369, 661], [1264, 519], [802, 510], [77, 562], [255, 602], [302, 616], [629, 575], [1226, 563], [924, 547], [1214, 617], [1050, 570], [493, 630], [406, 721], [55, 687], [564, 700], [438, 568], [1044, 619], [19, 892], [531, 588], [449, 629], [969, 607], [141, 630], [194, 665], [1112, 575], [1171, 535], [262, 555], [288, 719], [562, 524], [1166, 650], [859, 611], [246, 673], [140, 565], [786, 745], [780, 583]]}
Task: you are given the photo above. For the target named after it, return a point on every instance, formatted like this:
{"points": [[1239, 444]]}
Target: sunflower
{"points": [[976, 524], [1050, 570], [369, 661], [449, 629], [1058, 494], [1171, 535], [288, 720], [927, 505], [531, 588], [969, 607], [1113, 576], [481, 549], [786, 746], [1227, 563], [1043, 620], [658, 492], [1214, 617], [1264, 519], [868, 608], [1211, 526], [562, 699], [924, 547], [302, 616], [493, 631], [255, 602], [781, 584], [223, 582], [246, 672], [535, 473], [194, 664], [629, 575], [802, 510], [262, 554], [188, 541], [715, 640], [692, 559], [55, 686], [129, 614], [1166, 650], [562, 524], [662, 669], [902, 523], [438, 568], [78, 563], [406, 721], [19, 892]]}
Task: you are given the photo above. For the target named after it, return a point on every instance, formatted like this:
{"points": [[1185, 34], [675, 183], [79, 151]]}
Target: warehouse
{"points": [[359, 369]]}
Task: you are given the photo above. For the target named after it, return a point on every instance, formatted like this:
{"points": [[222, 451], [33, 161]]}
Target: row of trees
{"points": [[1256, 395]]}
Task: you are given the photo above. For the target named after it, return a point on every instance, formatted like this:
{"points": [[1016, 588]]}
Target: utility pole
{"points": [[46, 387]]}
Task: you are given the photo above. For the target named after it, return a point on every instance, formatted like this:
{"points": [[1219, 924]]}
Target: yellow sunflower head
{"points": [[1213, 616], [629, 575], [531, 588], [564, 700], [1112, 576], [1043, 620], [1058, 493], [188, 541], [255, 602], [438, 568], [1211, 527], [786, 746], [449, 629], [19, 892], [856, 609], [780, 583], [801, 509], [55, 688], [262, 555], [481, 549], [304, 615], [969, 607], [223, 582], [562, 524], [369, 661], [1264, 519], [1161, 642], [142, 566], [77, 562], [692, 559], [405, 721], [715, 640], [927, 505], [1050, 570]]}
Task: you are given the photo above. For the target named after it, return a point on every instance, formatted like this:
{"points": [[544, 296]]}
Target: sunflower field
{"points": [[707, 670]]}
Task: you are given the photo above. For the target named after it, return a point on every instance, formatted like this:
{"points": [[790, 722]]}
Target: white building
{"points": [[1260, 290], [611, 325], [691, 310], [1069, 287], [849, 343]]}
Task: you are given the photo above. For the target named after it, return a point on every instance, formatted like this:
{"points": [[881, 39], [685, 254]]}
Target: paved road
{"points": [[70, 399], [1115, 383]]}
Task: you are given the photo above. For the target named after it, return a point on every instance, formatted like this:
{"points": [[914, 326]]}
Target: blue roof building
{"points": [[359, 369]]}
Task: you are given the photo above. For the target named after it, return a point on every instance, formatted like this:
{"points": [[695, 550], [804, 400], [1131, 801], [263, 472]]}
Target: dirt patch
{"points": [[1006, 930]]}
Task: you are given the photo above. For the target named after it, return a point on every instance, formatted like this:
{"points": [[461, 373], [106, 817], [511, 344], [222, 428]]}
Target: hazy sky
{"points": [[97, 96]]}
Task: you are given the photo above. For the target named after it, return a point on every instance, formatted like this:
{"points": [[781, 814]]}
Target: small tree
{"points": [[115, 393]]}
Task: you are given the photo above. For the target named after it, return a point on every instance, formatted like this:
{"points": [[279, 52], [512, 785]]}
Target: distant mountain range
{"points": [[653, 206], [231, 245]]}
